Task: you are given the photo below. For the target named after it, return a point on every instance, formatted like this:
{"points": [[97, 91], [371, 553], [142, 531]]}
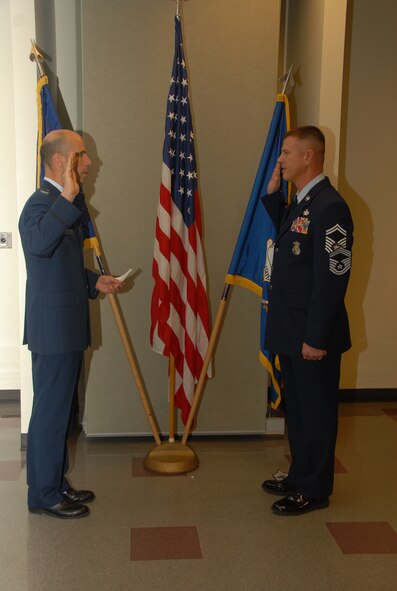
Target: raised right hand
{"points": [[275, 180], [70, 184]]}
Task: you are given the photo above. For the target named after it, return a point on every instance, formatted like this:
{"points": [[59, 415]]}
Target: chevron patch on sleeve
{"points": [[335, 238], [340, 261]]}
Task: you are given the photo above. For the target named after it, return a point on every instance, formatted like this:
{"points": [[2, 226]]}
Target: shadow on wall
{"points": [[361, 269], [89, 255], [362, 261], [91, 262], [362, 257]]}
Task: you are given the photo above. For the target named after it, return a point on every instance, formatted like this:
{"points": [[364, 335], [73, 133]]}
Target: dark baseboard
{"points": [[10, 395], [345, 395], [368, 395], [24, 441]]}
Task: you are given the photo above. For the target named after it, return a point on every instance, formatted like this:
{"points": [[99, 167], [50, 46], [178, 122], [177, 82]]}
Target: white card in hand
{"points": [[125, 276]]}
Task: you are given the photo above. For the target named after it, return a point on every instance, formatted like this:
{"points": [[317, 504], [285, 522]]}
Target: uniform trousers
{"points": [[311, 392], [54, 381]]}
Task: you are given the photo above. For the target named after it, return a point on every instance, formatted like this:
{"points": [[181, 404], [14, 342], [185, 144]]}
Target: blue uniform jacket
{"points": [[310, 272], [58, 286]]}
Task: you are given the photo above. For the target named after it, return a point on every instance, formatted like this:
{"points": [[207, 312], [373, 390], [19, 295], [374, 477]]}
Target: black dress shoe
{"points": [[79, 496], [64, 510], [296, 504], [278, 487]]}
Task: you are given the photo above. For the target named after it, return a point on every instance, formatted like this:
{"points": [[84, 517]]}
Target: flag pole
{"points": [[222, 306], [172, 457], [171, 437], [130, 354], [210, 352], [287, 79], [35, 56]]}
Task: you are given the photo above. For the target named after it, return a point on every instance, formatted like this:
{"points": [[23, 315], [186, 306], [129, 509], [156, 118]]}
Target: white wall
{"points": [[315, 42], [18, 122], [331, 82], [58, 26], [9, 309], [17, 172]]}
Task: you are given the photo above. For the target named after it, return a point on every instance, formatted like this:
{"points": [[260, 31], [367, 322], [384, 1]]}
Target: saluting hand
{"points": [[70, 183], [275, 180]]}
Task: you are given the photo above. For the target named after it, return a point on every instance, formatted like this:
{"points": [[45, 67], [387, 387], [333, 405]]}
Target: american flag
{"points": [[179, 311]]}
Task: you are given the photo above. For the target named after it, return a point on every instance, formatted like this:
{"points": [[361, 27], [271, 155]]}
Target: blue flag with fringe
{"points": [[48, 120], [249, 265]]}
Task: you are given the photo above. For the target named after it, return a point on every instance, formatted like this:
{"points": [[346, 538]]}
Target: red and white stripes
{"points": [[179, 311]]}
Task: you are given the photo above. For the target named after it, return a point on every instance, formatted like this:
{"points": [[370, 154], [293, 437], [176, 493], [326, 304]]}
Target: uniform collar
{"points": [[305, 190], [301, 207], [54, 183]]}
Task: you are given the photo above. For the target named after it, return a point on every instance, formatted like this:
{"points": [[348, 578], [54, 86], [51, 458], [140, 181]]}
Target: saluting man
{"points": [[307, 324], [57, 328]]}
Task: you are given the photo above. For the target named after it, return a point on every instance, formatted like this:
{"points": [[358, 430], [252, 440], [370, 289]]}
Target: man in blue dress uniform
{"points": [[307, 324], [57, 325]]}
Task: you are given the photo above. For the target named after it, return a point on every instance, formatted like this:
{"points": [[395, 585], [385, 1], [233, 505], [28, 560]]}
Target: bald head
{"points": [[56, 142], [55, 150]]}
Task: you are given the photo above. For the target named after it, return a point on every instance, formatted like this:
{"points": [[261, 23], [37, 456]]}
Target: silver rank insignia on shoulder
{"points": [[45, 191], [306, 212], [296, 249]]}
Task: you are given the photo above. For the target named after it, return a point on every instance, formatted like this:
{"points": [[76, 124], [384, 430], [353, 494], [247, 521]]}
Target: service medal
{"points": [[296, 248]]}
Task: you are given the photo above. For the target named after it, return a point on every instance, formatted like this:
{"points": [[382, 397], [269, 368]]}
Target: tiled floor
{"points": [[212, 529], [371, 537], [165, 543]]}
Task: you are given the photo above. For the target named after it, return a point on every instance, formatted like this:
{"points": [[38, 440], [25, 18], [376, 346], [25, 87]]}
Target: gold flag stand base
{"points": [[171, 458]]}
